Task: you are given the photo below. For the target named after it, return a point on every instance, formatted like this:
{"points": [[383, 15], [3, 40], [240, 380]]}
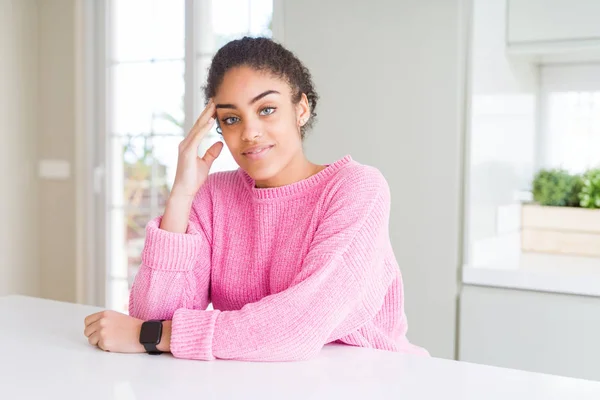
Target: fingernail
{"points": [[211, 120]]}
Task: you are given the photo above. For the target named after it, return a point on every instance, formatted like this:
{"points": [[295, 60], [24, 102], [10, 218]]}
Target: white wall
{"points": [[37, 121], [536, 20], [19, 268], [390, 76], [540, 332], [56, 141]]}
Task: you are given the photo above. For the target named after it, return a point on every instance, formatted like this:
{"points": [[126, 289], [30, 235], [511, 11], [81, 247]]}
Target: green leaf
{"points": [[590, 191], [557, 187]]}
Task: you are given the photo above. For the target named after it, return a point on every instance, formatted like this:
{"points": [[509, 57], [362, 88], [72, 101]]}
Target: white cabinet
{"points": [[533, 331], [552, 21]]}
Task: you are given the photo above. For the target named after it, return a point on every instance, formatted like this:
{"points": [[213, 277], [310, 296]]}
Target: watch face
{"points": [[151, 332]]}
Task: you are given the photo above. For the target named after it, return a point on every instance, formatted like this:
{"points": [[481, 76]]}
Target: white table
{"points": [[44, 355]]}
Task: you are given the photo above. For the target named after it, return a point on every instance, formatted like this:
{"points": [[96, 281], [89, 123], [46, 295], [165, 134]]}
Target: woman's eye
{"points": [[267, 111], [230, 120]]}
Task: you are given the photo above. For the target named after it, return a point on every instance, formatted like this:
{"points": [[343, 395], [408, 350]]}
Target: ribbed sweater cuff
{"points": [[192, 333], [168, 250]]}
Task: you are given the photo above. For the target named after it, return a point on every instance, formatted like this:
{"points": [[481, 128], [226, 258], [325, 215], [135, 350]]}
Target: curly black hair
{"points": [[264, 54]]}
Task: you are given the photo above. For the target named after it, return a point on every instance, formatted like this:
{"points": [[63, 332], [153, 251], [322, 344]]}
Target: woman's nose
{"points": [[251, 133]]}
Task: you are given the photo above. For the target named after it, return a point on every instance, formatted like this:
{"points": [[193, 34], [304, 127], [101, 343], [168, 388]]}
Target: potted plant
{"points": [[565, 215]]}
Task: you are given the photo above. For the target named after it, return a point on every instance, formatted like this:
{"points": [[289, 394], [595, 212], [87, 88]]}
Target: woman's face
{"points": [[259, 122]]}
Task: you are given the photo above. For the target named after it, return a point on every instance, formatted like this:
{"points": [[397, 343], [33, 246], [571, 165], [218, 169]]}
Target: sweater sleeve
{"points": [[175, 267], [340, 287]]}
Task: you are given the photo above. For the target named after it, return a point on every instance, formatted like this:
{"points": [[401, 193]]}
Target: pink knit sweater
{"points": [[287, 269]]}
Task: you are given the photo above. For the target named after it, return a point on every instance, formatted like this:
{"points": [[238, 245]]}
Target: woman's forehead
{"points": [[242, 84]]}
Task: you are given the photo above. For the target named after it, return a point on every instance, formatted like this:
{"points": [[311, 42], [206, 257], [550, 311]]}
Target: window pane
{"points": [[165, 156], [231, 18], [146, 176], [202, 64], [261, 12], [167, 92], [132, 98], [118, 295], [148, 98], [148, 29], [169, 29], [117, 266], [574, 130], [136, 170], [135, 227], [139, 179]]}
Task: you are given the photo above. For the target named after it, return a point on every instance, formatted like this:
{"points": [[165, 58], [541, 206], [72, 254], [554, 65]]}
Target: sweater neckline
{"points": [[296, 187]]}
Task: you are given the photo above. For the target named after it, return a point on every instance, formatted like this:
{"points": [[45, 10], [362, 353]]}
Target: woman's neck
{"points": [[296, 170]]}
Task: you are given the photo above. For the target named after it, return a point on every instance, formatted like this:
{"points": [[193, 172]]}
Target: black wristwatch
{"points": [[150, 335]]}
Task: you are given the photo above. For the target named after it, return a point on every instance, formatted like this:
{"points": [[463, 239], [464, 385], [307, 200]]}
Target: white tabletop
{"points": [[45, 356]]}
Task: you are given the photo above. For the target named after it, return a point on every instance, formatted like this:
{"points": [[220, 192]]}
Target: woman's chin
{"points": [[261, 173]]}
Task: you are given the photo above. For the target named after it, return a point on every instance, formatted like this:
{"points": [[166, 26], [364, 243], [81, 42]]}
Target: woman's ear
{"points": [[302, 111]]}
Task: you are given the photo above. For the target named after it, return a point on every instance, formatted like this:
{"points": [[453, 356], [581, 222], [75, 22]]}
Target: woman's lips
{"points": [[260, 155]]}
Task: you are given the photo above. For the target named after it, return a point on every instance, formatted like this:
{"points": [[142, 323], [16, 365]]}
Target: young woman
{"points": [[292, 255]]}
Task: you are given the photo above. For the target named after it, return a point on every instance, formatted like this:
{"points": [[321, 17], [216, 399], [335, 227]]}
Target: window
{"points": [[553, 123], [570, 117], [158, 55]]}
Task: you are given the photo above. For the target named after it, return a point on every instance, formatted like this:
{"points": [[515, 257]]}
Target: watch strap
{"points": [[152, 349]]}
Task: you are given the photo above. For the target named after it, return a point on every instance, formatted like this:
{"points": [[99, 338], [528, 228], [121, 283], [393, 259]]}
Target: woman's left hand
{"points": [[113, 331]]}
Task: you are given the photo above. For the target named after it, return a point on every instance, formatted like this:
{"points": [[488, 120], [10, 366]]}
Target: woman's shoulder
{"points": [[357, 185], [354, 193], [357, 177]]}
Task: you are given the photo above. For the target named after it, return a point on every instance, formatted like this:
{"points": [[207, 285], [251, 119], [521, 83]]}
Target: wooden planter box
{"points": [[560, 230]]}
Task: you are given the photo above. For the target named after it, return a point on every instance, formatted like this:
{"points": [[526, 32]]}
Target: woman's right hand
{"points": [[192, 170]]}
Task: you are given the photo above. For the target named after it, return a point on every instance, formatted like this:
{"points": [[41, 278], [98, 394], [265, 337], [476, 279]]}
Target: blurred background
{"points": [[483, 115]]}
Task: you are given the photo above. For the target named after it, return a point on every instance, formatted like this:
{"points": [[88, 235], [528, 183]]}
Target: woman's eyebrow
{"points": [[254, 100], [263, 94]]}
